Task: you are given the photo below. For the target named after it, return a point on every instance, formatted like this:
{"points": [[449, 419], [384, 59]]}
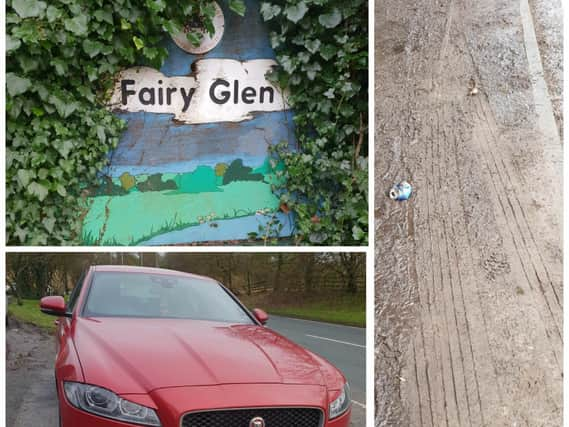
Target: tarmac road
{"points": [[31, 400], [343, 346]]}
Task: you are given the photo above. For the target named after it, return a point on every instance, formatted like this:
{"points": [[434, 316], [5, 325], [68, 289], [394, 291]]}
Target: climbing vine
{"points": [[322, 46], [61, 59]]}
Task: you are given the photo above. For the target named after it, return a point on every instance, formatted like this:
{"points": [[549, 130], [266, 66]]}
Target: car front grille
{"points": [[272, 417]]}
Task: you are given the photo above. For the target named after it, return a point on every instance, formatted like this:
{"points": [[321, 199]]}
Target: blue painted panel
{"points": [[154, 144]]}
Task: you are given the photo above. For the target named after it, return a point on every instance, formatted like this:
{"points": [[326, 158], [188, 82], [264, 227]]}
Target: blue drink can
{"points": [[401, 191]]}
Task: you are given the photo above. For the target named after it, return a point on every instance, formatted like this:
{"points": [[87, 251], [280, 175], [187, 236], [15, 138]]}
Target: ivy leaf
{"points": [[150, 52], [12, 43], [156, 5], [61, 190], [28, 63], [209, 27], [237, 6], [304, 57], [208, 10], [17, 85], [92, 48], [104, 15], [53, 13], [60, 66], [37, 111], [194, 38], [328, 51], [269, 11], [139, 43], [38, 190], [312, 45], [29, 8], [49, 224], [358, 233], [296, 13], [21, 234], [311, 70], [189, 9], [125, 25], [329, 93], [330, 20], [86, 92], [317, 238], [101, 134], [77, 25], [65, 148], [63, 107], [171, 27], [24, 177], [276, 40]]}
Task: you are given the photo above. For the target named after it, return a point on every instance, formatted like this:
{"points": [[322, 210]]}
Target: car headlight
{"points": [[342, 403], [105, 403]]}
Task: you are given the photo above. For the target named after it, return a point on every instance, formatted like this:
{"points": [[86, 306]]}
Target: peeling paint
{"points": [[220, 90]]}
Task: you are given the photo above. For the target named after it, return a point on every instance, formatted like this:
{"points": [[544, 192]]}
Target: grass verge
{"points": [[347, 317], [343, 309], [29, 312]]}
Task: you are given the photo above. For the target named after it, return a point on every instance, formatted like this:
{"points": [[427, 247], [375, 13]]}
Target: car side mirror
{"points": [[54, 306], [260, 315]]}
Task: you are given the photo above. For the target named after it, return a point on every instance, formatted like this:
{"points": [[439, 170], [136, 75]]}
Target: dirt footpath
{"points": [[469, 270], [31, 398]]}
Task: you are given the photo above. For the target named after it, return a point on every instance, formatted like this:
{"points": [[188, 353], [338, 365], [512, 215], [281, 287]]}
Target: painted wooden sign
{"points": [[209, 97], [194, 164]]}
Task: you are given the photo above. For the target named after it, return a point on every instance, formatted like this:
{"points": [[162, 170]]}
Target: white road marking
{"points": [[359, 404], [306, 320], [340, 342]]}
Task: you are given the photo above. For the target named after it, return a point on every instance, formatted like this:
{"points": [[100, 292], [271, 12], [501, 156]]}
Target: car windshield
{"points": [[120, 294]]}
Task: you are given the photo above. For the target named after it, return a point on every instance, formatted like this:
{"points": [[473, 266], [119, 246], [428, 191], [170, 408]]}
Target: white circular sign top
{"points": [[208, 42]]}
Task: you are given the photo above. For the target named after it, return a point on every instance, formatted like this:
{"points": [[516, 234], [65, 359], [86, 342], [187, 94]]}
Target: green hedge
{"points": [[322, 46]]}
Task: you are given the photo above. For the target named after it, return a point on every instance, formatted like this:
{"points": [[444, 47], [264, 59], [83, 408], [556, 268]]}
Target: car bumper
{"points": [[173, 403]]}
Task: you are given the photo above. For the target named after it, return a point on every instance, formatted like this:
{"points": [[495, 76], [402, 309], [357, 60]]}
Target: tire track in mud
{"points": [[468, 277], [521, 235]]}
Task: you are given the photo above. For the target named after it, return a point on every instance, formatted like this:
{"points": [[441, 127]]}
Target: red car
{"points": [[153, 347]]}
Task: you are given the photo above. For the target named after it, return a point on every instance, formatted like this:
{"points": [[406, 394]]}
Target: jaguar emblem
{"points": [[257, 422]]}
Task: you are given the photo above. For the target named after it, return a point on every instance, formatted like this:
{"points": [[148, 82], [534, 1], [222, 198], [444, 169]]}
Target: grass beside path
{"points": [[343, 317], [343, 309], [29, 312]]}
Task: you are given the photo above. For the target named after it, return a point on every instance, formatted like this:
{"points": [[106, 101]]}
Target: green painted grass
{"points": [[138, 216], [29, 312]]}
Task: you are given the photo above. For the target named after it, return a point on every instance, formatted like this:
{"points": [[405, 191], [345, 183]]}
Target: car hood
{"points": [[140, 355]]}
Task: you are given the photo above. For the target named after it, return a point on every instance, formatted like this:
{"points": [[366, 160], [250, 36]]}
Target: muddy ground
{"points": [[30, 354], [469, 270]]}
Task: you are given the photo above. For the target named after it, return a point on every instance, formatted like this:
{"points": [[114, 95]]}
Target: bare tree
{"points": [[278, 270], [349, 267], [309, 262]]}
